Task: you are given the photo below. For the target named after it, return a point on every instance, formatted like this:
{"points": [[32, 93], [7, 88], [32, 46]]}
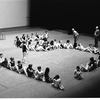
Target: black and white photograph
{"points": [[49, 49]]}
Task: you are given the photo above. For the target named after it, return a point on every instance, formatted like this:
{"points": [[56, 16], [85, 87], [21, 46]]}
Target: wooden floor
{"points": [[62, 62]]}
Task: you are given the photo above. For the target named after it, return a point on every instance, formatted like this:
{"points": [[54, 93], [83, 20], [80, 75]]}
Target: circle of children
{"points": [[42, 44]]}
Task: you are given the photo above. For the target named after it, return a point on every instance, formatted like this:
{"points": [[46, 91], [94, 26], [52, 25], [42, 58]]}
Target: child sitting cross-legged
{"points": [[12, 64], [77, 73], [69, 44], [17, 41], [61, 45], [39, 74], [20, 67], [39, 48], [98, 61], [92, 65], [5, 63], [30, 71], [57, 82]]}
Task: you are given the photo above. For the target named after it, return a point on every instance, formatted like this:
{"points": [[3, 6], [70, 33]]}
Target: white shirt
{"points": [[97, 33], [46, 35], [57, 82], [75, 33], [1, 60]]}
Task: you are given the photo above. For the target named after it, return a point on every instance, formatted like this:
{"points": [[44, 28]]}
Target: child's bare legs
{"points": [[24, 57], [61, 86]]}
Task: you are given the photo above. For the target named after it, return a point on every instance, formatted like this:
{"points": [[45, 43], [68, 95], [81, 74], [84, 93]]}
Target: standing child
{"points": [[24, 51]]}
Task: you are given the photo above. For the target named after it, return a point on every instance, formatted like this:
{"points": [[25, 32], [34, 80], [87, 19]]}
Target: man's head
{"points": [[97, 27], [73, 29]]}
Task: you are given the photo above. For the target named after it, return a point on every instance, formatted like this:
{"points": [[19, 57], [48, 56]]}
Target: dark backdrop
{"points": [[65, 14]]}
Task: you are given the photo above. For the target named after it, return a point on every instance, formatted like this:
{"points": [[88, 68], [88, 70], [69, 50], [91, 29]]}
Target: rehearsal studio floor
{"points": [[60, 61]]}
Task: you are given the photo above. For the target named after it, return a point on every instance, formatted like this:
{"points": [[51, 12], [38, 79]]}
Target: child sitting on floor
{"points": [[61, 45], [69, 45], [65, 45], [84, 68], [57, 82], [17, 41], [77, 73], [56, 44], [12, 64], [30, 71], [20, 67], [80, 47], [98, 61], [39, 48], [47, 76], [5, 63], [1, 59], [92, 49], [39, 74], [92, 64], [96, 51], [51, 45]]}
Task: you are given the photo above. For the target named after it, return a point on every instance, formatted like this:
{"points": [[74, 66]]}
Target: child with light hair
{"points": [[39, 73]]}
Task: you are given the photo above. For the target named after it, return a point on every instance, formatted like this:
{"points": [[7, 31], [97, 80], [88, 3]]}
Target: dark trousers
{"points": [[99, 38], [96, 41], [75, 39]]}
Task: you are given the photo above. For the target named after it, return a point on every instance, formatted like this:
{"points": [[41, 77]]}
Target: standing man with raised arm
{"points": [[96, 36], [76, 35]]}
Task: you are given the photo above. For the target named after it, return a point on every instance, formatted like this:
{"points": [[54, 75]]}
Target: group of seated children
{"points": [[90, 48], [37, 38], [40, 42], [90, 66], [30, 72]]}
